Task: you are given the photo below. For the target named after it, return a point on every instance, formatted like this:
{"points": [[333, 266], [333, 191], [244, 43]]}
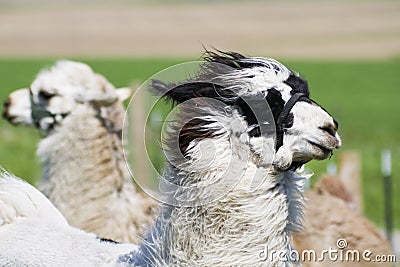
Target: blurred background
{"points": [[349, 51]]}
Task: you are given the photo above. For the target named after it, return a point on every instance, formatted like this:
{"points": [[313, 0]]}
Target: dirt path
{"points": [[301, 29]]}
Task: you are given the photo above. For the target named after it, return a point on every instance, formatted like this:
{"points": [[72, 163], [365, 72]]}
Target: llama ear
{"points": [[188, 90], [103, 100], [109, 98], [175, 93], [123, 93]]}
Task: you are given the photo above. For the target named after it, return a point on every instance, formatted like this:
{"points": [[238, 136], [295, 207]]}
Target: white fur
{"points": [[68, 78], [237, 223], [88, 181], [19, 199], [253, 80], [296, 144], [34, 233]]}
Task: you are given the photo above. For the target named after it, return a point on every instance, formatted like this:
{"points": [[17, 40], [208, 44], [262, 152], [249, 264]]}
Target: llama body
{"points": [[34, 233], [336, 217], [84, 171]]}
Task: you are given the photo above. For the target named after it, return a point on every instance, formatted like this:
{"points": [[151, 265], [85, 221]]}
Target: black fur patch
{"points": [[238, 61], [289, 121], [190, 126], [275, 102], [254, 110], [179, 93], [195, 129], [107, 240], [231, 59], [298, 85]]}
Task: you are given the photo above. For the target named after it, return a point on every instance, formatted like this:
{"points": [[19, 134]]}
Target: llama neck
{"points": [[241, 228], [83, 161], [235, 221]]}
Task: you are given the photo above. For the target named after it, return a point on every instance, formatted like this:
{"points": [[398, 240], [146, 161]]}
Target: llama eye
{"points": [[46, 95]]}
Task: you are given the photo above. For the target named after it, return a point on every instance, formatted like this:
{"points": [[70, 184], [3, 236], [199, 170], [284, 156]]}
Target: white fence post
{"points": [[350, 173], [387, 187]]}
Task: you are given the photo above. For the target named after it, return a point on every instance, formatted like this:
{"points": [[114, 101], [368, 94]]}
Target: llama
{"points": [[335, 217], [240, 226], [85, 176], [212, 226], [34, 233]]}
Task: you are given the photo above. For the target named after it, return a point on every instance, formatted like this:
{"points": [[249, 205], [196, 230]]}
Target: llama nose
{"points": [[7, 103], [330, 128], [5, 114]]}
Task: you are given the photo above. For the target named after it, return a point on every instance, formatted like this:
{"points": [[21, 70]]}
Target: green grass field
{"points": [[363, 96]]}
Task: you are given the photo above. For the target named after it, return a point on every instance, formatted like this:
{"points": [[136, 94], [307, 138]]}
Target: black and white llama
{"points": [[225, 144]]}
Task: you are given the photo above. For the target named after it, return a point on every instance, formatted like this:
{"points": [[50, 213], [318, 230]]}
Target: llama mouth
{"points": [[12, 119], [325, 150]]}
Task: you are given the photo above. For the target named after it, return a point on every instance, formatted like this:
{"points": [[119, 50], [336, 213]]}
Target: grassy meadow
{"points": [[363, 97]]}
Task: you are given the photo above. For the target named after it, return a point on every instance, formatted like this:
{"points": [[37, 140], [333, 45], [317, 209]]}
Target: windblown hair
{"points": [[223, 147], [232, 79]]}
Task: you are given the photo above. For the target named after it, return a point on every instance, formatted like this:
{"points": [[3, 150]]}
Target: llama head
{"points": [[57, 91], [254, 94]]}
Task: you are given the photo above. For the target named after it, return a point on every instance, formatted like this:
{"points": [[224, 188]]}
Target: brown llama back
{"points": [[330, 214]]}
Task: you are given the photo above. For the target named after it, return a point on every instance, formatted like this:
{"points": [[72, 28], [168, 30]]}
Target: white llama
{"points": [[85, 176], [237, 227]]}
